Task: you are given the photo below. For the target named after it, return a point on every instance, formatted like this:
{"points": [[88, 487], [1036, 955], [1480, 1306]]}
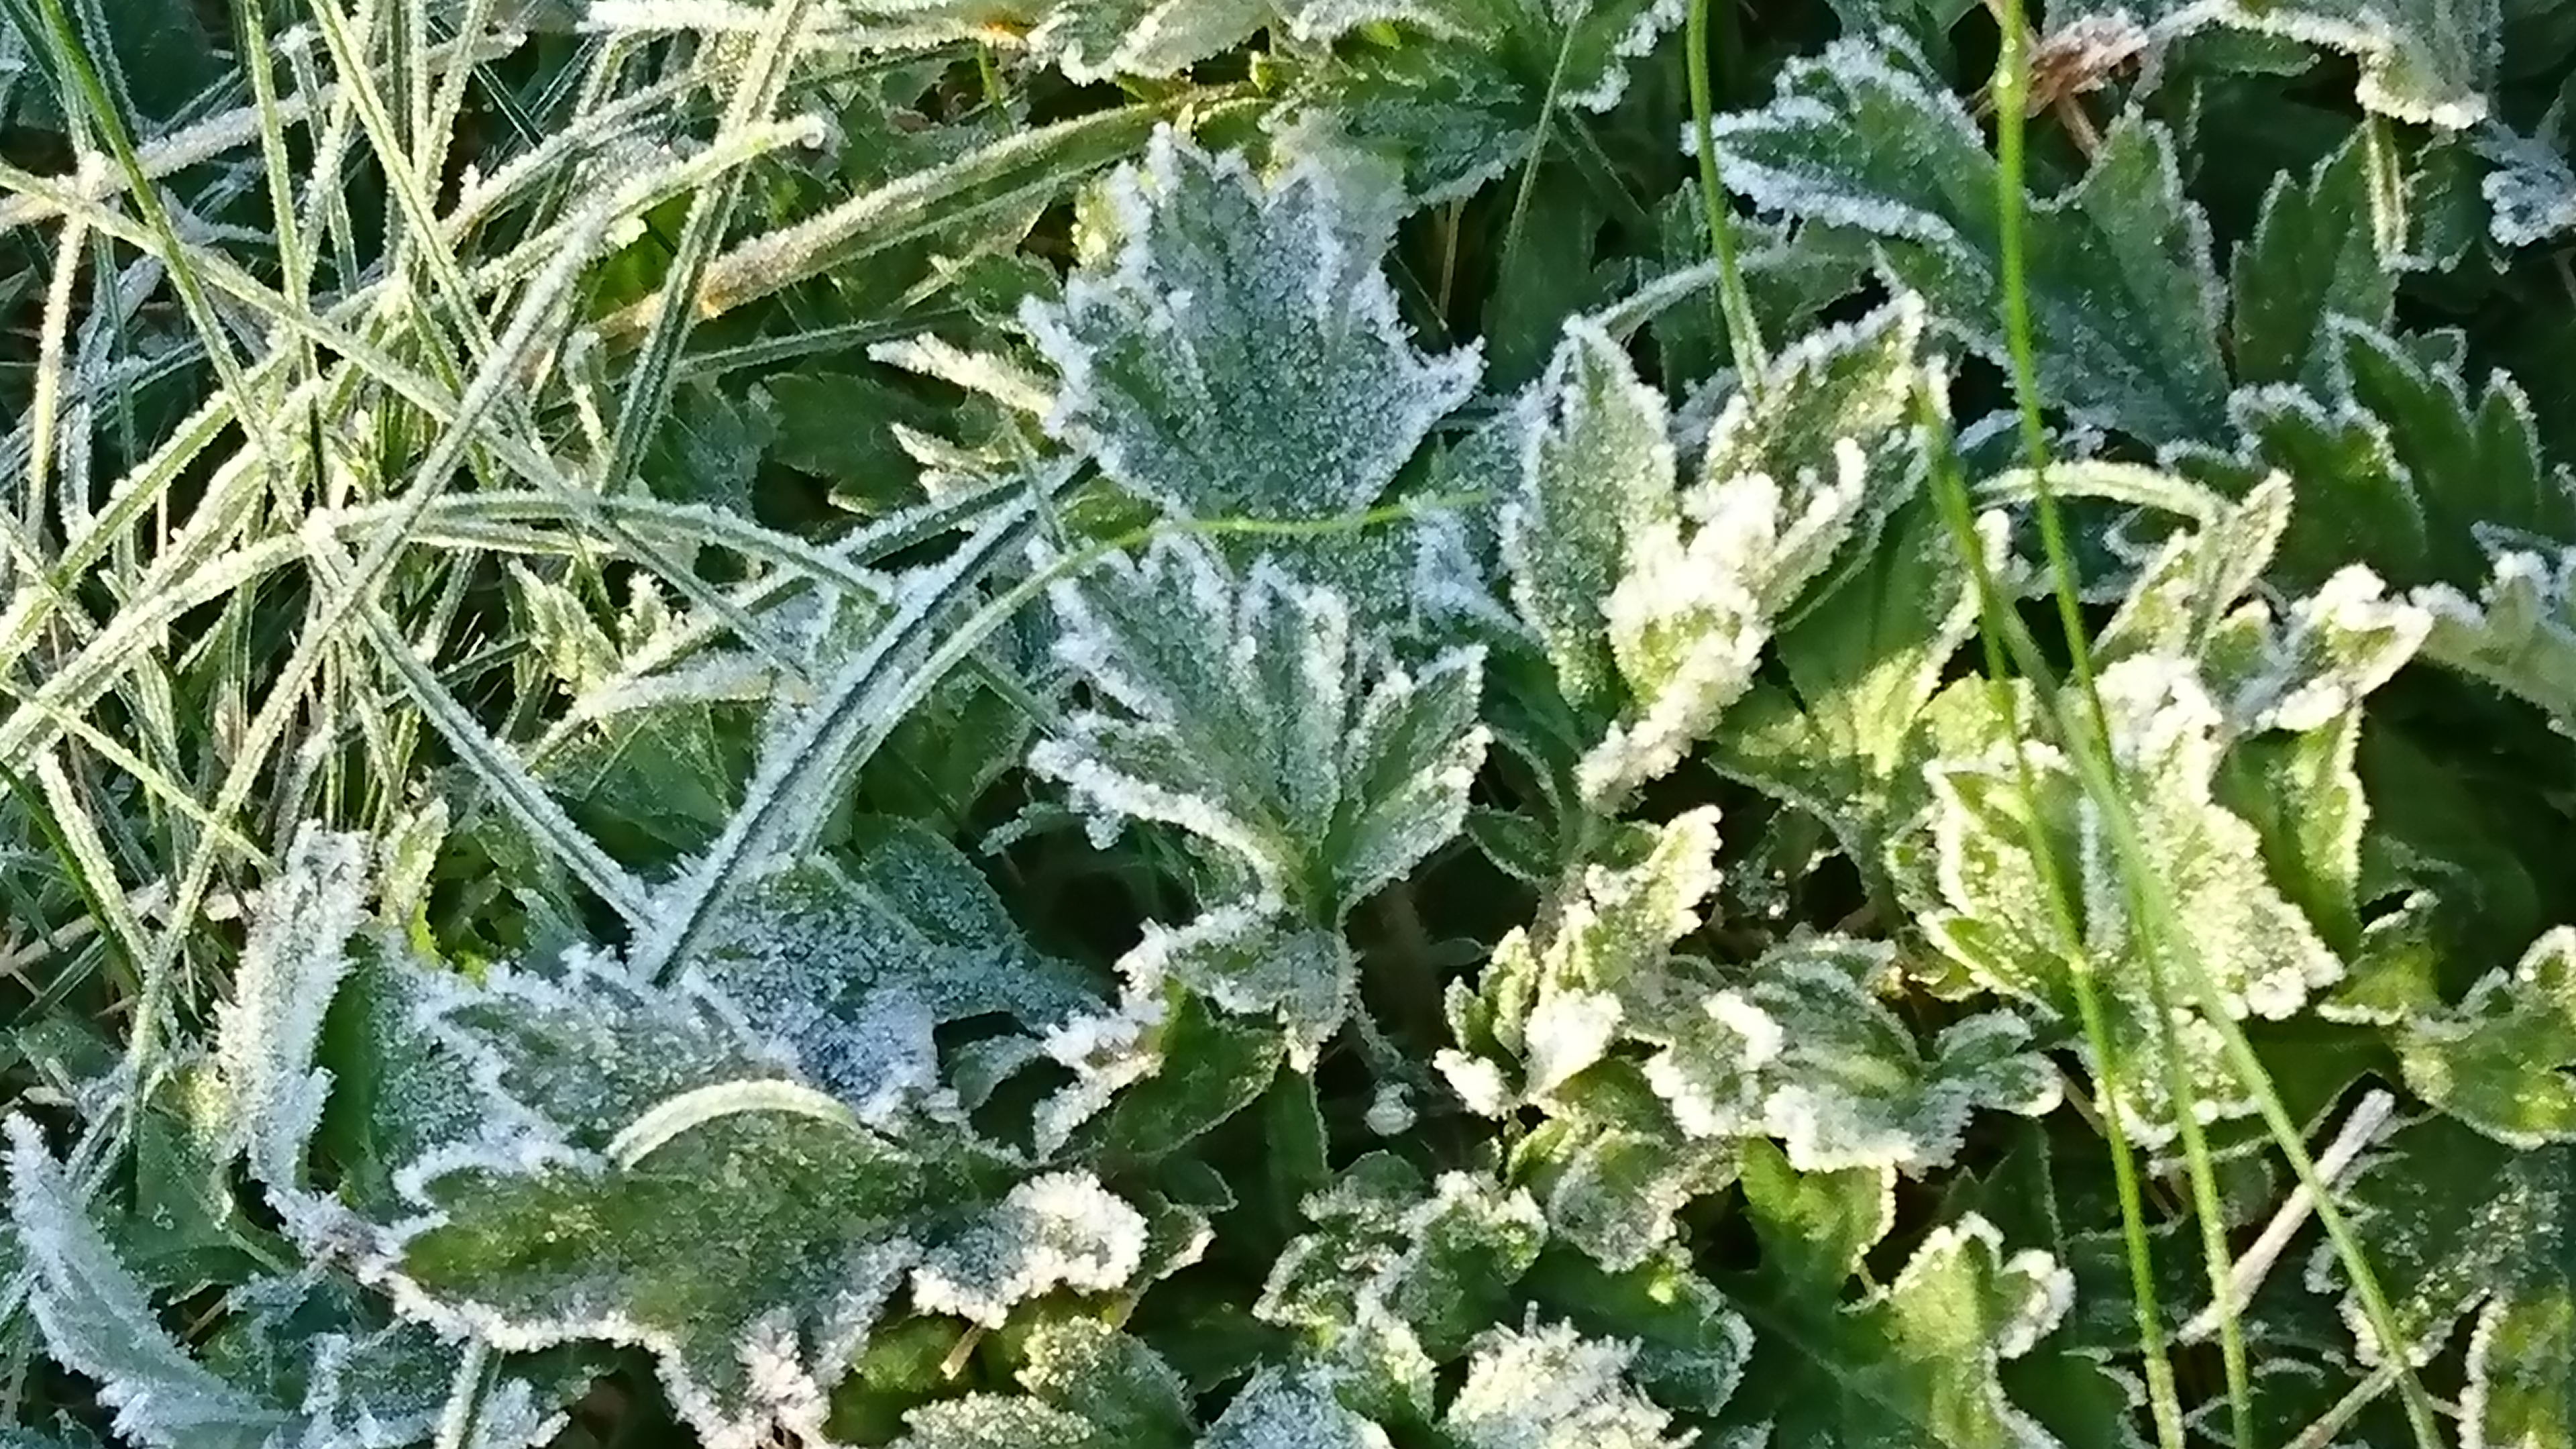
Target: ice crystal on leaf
{"points": [[2124, 300], [1548, 1387], [2462, 1227], [1061, 1230], [1684, 585], [266, 1036], [1805, 1052], [1243, 356], [1435, 1260], [2260, 952]]}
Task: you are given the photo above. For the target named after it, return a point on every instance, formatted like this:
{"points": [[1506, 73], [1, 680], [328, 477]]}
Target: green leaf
{"points": [[1254, 714], [1814, 1226], [1691, 1344], [2320, 250], [1243, 356], [1862, 666], [2457, 1225], [1804, 1051], [1213, 1069], [1914, 1364], [2258, 950], [2499, 1060], [1111, 1378], [2124, 303]]}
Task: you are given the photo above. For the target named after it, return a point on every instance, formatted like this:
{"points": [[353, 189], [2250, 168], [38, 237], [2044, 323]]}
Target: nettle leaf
{"points": [[1686, 585], [1549, 1387], [2499, 1060], [2427, 61], [1914, 1363], [1805, 1051], [2123, 297], [2323, 248], [267, 1036], [1242, 356], [2260, 953], [1253, 714], [2460, 1226], [2518, 635], [98, 1323]]}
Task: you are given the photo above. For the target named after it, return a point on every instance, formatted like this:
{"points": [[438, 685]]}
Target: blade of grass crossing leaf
{"points": [[1735, 305], [648, 389], [2160, 925], [1538, 132], [2012, 86], [1950, 491]]}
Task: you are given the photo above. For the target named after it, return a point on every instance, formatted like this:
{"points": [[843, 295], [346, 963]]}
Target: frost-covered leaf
{"points": [[1544, 1012], [2500, 1059], [2428, 61], [1862, 666], [268, 1034], [1253, 714], [2262, 956], [1815, 1227], [2531, 193], [1095, 41], [2518, 635], [1611, 1169], [1691, 1344], [1804, 1051], [2124, 302], [1111, 1377], [999, 1421], [1279, 1410], [1597, 472], [1545, 1386], [98, 1323], [2401, 464], [1685, 585], [856, 967], [2321, 250], [1439, 1260], [1459, 98], [1915, 1363], [749, 1250], [2459, 1226], [1243, 355], [1062, 1230]]}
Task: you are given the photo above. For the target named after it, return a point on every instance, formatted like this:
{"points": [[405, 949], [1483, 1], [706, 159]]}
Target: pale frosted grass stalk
{"points": [[294, 269], [359, 357], [214, 138], [354, 588], [648, 389], [52, 332], [2359, 1131], [159, 784], [449, 101], [118, 927]]}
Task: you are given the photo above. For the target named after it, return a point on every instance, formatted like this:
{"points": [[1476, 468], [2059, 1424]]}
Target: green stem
{"points": [[1743, 332]]}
